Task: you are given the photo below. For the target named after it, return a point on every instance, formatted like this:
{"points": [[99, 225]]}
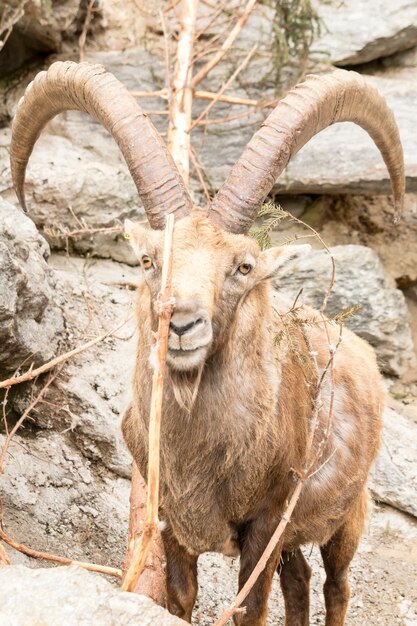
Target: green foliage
{"points": [[274, 214], [295, 25], [345, 314]]}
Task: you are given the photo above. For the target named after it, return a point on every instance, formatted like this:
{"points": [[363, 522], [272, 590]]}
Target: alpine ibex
{"points": [[238, 404]]}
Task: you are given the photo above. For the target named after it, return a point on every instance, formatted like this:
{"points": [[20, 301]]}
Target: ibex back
{"points": [[241, 395]]}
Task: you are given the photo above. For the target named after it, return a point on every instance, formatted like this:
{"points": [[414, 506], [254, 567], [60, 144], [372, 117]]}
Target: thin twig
{"points": [[198, 170], [8, 20], [227, 119], [225, 85], [202, 73], [82, 232], [171, 5], [210, 22], [83, 36], [141, 551], [205, 95], [168, 80], [4, 411], [22, 418], [159, 93], [209, 95], [91, 567], [326, 247], [33, 373], [4, 558]]}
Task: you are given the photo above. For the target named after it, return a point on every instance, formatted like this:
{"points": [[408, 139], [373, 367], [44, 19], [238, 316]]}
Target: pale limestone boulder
{"points": [[74, 597], [38, 26], [56, 500], [394, 476], [31, 323], [358, 31]]}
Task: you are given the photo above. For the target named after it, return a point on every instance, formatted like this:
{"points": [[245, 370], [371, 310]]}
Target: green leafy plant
{"points": [[295, 26]]}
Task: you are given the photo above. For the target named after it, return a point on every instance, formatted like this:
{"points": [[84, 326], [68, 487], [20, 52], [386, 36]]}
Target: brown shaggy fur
{"points": [[227, 453]]}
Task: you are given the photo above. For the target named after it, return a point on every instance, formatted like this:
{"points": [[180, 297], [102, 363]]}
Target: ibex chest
{"points": [[209, 487]]}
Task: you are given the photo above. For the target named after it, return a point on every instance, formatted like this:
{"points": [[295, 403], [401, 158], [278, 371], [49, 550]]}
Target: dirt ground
{"points": [[383, 578]]}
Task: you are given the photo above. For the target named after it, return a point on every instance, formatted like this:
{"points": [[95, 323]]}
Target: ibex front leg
{"points": [[253, 539], [181, 577], [295, 574]]}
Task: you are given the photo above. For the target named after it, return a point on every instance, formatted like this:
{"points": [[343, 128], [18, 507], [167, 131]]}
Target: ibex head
{"points": [[215, 264], [213, 271]]}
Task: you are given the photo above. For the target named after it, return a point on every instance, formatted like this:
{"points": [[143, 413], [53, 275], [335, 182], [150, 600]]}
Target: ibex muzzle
{"points": [[190, 335]]}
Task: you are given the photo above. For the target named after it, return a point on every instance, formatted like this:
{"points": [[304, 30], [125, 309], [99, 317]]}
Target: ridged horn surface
{"points": [[90, 88], [311, 106]]}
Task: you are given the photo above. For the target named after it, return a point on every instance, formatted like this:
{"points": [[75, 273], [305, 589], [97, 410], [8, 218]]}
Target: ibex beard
{"points": [[237, 413]]}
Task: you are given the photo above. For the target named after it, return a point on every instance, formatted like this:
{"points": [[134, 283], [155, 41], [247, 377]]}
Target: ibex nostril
{"points": [[181, 330]]}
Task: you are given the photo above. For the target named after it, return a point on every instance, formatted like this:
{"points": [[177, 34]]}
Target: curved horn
{"points": [[311, 106], [89, 88]]}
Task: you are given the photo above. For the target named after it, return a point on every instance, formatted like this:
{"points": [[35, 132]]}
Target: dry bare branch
{"points": [[4, 558], [141, 550], [225, 85], [33, 373], [91, 567], [202, 73], [81, 232], [22, 418], [198, 169], [152, 581], [207, 95], [82, 38], [182, 94], [168, 82]]}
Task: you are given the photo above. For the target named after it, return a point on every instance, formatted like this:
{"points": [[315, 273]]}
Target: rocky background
{"points": [[65, 486]]}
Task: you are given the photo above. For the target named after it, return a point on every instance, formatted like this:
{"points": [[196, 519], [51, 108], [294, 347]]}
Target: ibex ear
{"points": [[135, 234], [274, 258]]}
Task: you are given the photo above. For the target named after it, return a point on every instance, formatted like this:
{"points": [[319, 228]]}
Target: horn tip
{"points": [[21, 197]]}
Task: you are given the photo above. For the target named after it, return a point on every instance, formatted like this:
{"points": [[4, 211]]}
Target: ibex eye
{"points": [[146, 262], [244, 268]]}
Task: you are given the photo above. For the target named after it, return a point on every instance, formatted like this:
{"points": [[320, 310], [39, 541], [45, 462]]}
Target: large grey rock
{"points": [[30, 321], [38, 26], [394, 477], [70, 186], [95, 388], [360, 279], [74, 597], [56, 500], [358, 31]]}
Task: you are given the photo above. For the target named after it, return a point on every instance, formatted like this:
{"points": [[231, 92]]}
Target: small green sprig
{"points": [[274, 214]]}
